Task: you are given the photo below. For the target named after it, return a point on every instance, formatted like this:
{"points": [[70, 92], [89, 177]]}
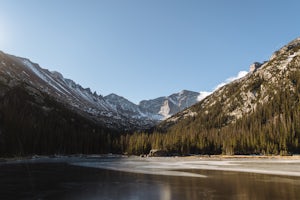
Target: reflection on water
{"points": [[165, 192], [63, 181]]}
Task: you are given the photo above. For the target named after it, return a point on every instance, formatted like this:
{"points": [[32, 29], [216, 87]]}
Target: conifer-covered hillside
{"points": [[257, 114], [34, 123]]}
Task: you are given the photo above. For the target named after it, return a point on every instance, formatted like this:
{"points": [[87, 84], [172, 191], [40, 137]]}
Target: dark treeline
{"points": [[273, 128], [33, 124]]}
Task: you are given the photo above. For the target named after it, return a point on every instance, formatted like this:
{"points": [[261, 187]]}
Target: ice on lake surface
{"points": [[169, 165]]}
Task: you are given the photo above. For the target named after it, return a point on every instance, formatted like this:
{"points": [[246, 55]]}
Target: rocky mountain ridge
{"points": [[112, 110], [156, 109]]}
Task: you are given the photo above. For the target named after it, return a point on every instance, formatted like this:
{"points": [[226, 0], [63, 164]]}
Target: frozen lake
{"points": [[149, 178]]}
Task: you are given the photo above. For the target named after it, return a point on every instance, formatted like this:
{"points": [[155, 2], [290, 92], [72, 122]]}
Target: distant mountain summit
{"points": [[155, 109], [164, 107]]}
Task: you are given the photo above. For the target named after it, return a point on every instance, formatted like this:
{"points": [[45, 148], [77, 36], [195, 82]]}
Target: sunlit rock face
{"points": [[242, 96]]}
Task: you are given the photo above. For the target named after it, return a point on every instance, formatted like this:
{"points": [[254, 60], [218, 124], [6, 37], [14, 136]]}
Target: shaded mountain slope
{"points": [[34, 123]]}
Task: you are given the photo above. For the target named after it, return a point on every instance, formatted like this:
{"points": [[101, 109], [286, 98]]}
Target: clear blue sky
{"points": [[142, 49]]}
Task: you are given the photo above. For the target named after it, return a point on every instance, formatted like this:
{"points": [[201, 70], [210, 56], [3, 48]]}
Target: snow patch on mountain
{"points": [[240, 75], [30, 66], [165, 109], [203, 95]]}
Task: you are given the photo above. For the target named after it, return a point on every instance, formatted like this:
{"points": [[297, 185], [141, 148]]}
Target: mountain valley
{"points": [[41, 112]]}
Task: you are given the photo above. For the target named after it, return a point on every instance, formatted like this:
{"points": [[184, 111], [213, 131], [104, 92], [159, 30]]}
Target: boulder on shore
{"points": [[157, 153]]}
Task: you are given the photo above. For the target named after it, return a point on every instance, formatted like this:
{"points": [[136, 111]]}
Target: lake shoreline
{"points": [[269, 165], [272, 165], [291, 157]]}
